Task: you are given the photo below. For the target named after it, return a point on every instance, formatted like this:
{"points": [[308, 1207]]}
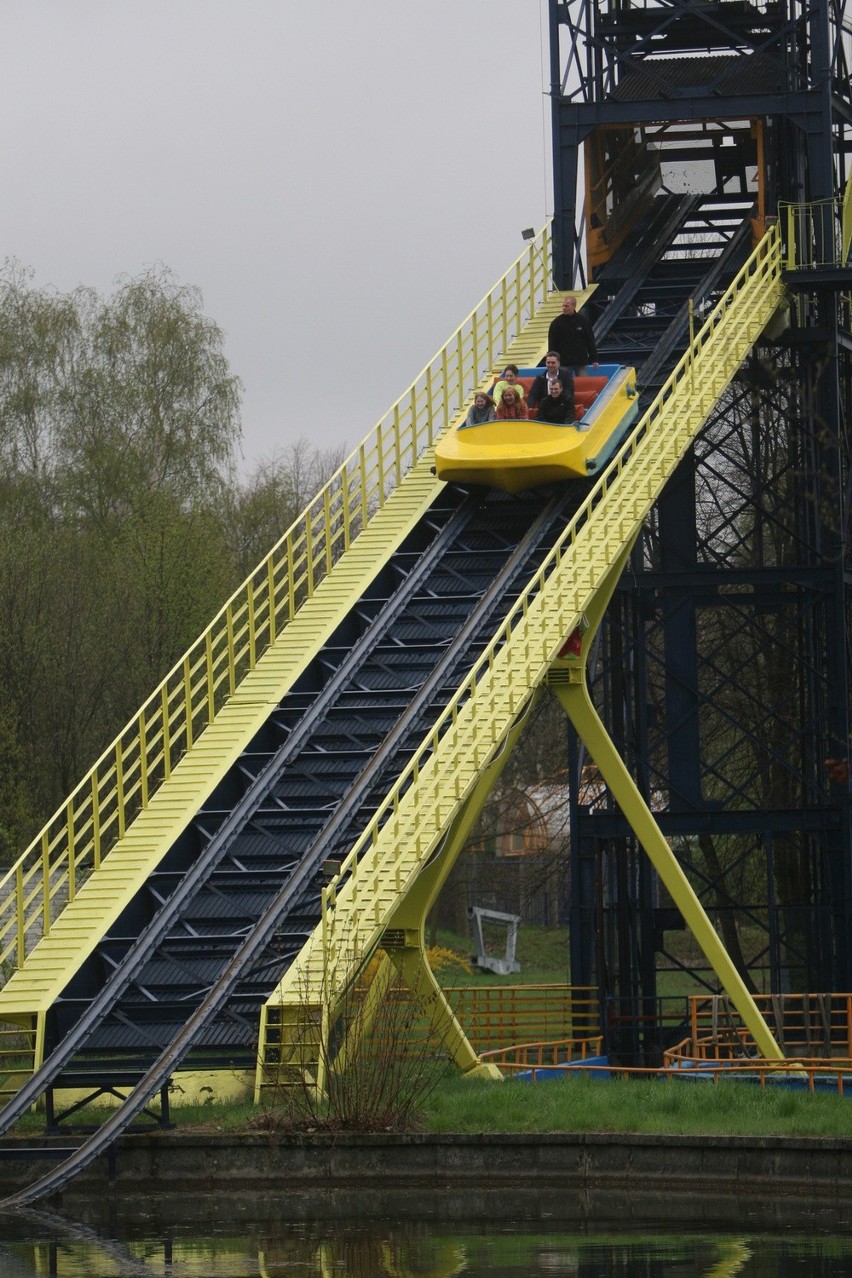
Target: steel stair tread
{"points": [[365, 903], [100, 899]]}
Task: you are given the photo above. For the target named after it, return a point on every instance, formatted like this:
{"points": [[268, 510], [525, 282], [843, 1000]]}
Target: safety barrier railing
{"points": [[815, 233], [17, 1059], [494, 1016], [530, 1057], [805, 1025], [525, 645], [122, 782], [794, 1071], [799, 1073]]}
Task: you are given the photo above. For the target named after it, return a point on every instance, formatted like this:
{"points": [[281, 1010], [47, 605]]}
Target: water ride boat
{"points": [[514, 455]]}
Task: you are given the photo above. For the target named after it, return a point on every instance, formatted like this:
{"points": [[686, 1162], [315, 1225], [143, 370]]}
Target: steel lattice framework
{"points": [[723, 670]]}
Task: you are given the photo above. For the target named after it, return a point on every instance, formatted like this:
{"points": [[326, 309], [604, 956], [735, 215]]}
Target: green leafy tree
{"points": [[279, 489], [119, 422]]}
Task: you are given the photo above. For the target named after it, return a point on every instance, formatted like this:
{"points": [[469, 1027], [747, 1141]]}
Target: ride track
{"points": [[402, 639]]}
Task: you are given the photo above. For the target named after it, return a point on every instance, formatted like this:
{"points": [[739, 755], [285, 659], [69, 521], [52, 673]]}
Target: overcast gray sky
{"points": [[343, 182]]}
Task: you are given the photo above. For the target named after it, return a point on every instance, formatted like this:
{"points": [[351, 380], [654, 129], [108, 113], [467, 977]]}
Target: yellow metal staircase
{"points": [[80, 873], [406, 835], [99, 900], [77, 876]]}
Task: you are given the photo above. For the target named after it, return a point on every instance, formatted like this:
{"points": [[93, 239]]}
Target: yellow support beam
{"points": [[439, 781], [102, 897], [567, 679]]}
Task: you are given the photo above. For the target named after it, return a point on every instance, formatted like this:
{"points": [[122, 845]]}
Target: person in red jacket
{"points": [[511, 406]]}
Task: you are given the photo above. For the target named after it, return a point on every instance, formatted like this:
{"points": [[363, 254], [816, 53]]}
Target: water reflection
{"points": [[263, 1248]]}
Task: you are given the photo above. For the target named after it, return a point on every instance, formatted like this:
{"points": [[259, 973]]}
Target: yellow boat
{"points": [[514, 455]]}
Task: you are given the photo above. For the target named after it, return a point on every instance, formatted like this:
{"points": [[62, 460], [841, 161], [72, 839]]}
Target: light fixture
{"points": [[528, 233]]}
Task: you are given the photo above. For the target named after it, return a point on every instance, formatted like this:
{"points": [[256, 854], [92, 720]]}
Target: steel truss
{"points": [[723, 673]]}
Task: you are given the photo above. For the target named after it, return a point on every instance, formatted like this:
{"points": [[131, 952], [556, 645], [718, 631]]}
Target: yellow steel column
{"points": [[410, 916], [568, 681], [413, 966]]}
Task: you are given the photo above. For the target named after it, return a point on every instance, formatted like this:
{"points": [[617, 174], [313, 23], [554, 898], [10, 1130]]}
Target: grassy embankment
{"points": [[576, 1104], [582, 1105]]}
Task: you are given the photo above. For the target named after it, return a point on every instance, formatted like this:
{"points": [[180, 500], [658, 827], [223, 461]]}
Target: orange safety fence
{"points": [[806, 1026], [803, 1073], [529, 1057], [498, 1016]]}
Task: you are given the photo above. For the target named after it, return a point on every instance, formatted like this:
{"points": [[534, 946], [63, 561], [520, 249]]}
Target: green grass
{"points": [[579, 1104], [664, 1107], [541, 951]]}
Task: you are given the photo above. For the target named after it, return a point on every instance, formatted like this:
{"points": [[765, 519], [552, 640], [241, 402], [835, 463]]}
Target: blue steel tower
{"points": [[680, 128]]}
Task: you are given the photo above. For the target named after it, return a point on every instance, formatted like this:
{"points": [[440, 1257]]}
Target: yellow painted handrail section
{"points": [[817, 233], [82, 832], [409, 824]]}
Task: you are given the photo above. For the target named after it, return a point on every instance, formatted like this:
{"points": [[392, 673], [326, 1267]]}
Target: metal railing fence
{"points": [[533, 644], [82, 832], [805, 1025], [815, 233]]}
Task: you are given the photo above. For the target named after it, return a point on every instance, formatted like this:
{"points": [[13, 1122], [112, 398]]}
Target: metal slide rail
{"points": [[105, 1002], [404, 832], [81, 833]]}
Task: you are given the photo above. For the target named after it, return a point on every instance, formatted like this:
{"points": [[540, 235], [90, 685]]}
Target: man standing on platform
{"points": [[571, 334]]}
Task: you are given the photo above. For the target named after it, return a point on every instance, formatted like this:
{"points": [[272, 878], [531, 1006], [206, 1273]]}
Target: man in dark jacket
{"points": [[552, 373], [557, 407], [572, 335]]}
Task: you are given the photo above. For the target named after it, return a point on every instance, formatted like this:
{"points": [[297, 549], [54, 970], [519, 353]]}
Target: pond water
{"points": [[246, 1244]]}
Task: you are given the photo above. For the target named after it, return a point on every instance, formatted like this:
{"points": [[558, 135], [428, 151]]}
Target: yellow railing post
{"points": [[20, 921], [187, 702], [45, 883], [167, 734], [192, 681], [96, 822], [230, 648], [211, 686], [143, 760], [270, 594], [119, 789], [70, 850]]}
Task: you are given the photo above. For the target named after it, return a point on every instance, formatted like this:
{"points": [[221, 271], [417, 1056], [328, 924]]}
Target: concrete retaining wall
{"points": [[716, 1179]]}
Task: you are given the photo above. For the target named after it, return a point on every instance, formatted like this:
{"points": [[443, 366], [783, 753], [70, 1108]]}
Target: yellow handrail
{"points": [[817, 233], [122, 782], [489, 699]]}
